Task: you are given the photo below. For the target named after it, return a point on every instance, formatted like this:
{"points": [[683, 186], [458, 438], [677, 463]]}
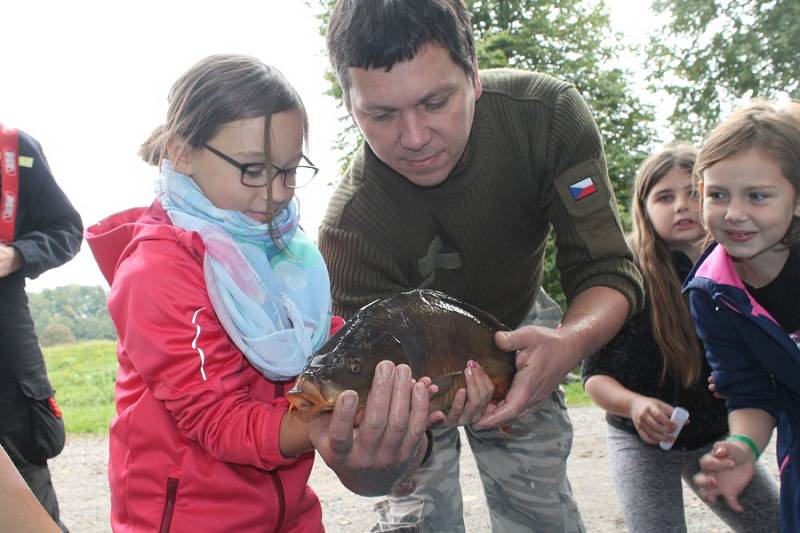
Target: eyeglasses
{"points": [[256, 175]]}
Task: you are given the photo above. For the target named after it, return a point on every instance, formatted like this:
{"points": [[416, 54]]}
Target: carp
{"points": [[433, 333]]}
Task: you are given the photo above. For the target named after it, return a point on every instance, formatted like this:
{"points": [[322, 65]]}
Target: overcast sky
{"points": [[89, 80]]}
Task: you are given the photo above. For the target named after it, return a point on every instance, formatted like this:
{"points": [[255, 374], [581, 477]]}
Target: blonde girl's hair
{"points": [[773, 130], [669, 310], [220, 89]]}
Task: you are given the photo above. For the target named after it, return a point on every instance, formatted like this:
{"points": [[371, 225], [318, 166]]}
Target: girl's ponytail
{"points": [[152, 150]]}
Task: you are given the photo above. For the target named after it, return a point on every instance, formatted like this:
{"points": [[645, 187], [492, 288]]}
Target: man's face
{"points": [[417, 116]]}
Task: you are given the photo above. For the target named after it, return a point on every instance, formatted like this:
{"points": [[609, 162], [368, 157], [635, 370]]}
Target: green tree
{"points": [[712, 52], [55, 334], [79, 308], [571, 40]]}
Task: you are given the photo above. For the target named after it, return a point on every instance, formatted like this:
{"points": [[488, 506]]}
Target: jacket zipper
{"points": [[169, 505], [276, 478]]}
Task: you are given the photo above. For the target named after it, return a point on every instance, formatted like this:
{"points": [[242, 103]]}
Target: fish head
{"points": [[327, 376], [344, 368]]}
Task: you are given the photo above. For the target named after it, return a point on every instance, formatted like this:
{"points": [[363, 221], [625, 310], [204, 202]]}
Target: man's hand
{"points": [[539, 371], [385, 445], [10, 260], [545, 356]]}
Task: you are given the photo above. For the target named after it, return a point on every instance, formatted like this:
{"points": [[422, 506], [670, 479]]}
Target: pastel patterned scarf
{"points": [[274, 304]]}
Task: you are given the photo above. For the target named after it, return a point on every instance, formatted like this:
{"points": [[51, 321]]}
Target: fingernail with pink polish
{"points": [[472, 364]]}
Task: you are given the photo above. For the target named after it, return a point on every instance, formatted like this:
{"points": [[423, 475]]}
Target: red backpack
{"points": [[9, 192]]}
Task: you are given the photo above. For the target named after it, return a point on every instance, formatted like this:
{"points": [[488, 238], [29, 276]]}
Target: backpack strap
{"points": [[9, 172]]}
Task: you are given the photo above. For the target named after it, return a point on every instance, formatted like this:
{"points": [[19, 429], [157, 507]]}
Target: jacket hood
{"points": [[112, 239]]}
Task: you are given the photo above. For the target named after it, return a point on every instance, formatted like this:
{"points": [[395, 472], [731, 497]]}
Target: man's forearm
{"points": [[593, 318]]}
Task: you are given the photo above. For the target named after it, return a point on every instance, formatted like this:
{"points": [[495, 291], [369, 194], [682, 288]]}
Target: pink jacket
{"points": [[194, 445]]}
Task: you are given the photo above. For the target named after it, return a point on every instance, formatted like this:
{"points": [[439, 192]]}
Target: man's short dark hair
{"points": [[379, 33]]}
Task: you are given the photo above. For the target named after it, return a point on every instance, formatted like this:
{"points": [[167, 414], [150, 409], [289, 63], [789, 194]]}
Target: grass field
{"points": [[83, 376]]}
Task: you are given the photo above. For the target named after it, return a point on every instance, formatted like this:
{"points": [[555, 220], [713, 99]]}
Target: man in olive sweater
{"points": [[460, 180]]}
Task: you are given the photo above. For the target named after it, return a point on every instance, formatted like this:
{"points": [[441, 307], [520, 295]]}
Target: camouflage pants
{"points": [[523, 471]]}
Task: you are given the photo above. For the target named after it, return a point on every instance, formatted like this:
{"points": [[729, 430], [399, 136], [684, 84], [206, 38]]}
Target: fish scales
{"points": [[435, 334]]}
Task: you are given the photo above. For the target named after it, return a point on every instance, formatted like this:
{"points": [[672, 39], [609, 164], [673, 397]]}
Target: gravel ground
{"points": [[80, 478]]}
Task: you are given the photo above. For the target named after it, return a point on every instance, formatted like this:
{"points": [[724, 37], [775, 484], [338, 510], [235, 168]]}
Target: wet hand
{"points": [[540, 369], [651, 418], [374, 451]]}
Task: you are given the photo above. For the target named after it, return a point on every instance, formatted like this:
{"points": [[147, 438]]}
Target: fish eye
{"points": [[355, 366]]}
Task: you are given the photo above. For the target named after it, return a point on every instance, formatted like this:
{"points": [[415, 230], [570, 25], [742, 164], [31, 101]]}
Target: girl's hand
{"points": [[712, 386], [726, 471], [651, 418], [469, 404]]}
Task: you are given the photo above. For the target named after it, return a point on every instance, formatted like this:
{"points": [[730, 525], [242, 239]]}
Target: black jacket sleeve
{"points": [[48, 228]]}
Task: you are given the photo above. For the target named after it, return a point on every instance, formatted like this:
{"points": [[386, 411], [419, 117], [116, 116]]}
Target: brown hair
{"points": [[217, 90], [669, 310], [373, 34], [772, 130]]}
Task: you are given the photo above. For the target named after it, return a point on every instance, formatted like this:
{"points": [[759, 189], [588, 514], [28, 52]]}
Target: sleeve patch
{"points": [[583, 189], [25, 161]]}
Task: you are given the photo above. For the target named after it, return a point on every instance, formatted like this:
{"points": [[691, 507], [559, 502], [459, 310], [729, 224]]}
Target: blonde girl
{"points": [[745, 296], [655, 364]]}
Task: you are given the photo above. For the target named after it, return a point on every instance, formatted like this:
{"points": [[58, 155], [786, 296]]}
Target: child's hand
{"points": [[469, 404], [726, 471], [712, 386], [651, 418]]}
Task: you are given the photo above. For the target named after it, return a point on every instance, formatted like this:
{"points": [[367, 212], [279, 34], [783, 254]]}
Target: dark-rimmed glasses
{"points": [[256, 175]]}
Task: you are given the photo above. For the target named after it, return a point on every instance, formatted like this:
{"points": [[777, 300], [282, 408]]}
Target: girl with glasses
{"points": [[218, 298]]}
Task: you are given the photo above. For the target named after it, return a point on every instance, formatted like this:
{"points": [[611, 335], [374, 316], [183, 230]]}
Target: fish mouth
{"points": [[306, 396]]}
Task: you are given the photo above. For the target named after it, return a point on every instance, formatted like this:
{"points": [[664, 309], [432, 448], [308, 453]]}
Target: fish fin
{"points": [[446, 381]]}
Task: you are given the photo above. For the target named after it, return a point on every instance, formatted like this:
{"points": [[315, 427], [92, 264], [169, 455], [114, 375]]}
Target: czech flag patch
{"points": [[582, 189]]}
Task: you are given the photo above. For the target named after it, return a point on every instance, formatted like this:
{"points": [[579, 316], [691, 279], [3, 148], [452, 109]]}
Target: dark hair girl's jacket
{"points": [[635, 360], [194, 445], [755, 363]]}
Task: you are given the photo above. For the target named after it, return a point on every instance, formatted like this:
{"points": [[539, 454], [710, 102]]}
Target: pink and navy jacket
{"points": [[755, 363], [194, 445]]}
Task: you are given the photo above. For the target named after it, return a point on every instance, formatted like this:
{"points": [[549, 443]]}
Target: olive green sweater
{"points": [[480, 235]]}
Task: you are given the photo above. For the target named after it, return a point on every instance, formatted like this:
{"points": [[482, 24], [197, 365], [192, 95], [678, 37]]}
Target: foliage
{"points": [[712, 52], [568, 39], [81, 309], [55, 334], [575, 395], [83, 375]]}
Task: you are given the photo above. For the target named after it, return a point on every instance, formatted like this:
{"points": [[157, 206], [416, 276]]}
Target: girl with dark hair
{"points": [[745, 296], [218, 298], [655, 364]]}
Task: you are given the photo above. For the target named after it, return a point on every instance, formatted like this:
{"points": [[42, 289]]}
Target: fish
{"points": [[433, 333]]}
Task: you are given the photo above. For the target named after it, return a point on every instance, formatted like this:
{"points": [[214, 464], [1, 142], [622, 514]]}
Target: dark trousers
{"points": [[17, 436]]}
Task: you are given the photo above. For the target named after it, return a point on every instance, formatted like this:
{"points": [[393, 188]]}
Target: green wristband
{"points": [[747, 440]]}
